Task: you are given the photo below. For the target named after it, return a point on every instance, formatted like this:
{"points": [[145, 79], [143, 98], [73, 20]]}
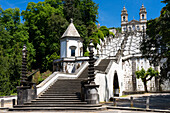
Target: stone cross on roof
{"points": [[71, 31]]}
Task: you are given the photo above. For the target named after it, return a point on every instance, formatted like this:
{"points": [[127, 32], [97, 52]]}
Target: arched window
{"points": [[73, 49], [143, 16], [134, 28], [124, 29], [130, 28], [124, 18], [143, 27]]}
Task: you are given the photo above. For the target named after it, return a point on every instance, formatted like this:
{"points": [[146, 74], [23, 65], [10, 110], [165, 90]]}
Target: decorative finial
{"points": [[71, 20], [142, 6], [98, 26]]}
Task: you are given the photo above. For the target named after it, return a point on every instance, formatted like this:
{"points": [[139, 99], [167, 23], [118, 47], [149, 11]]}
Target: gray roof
{"points": [[71, 31]]}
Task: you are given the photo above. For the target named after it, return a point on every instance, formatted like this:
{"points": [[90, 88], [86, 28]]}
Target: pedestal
{"points": [[26, 94], [91, 94]]}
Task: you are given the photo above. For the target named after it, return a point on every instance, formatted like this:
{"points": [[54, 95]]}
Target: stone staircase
{"points": [[64, 94]]}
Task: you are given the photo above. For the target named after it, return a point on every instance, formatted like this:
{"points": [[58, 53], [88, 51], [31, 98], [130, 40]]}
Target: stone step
{"points": [[60, 105], [57, 98], [65, 88], [49, 102], [70, 89], [43, 100], [55, 108], [59, 94], [64, 91]]}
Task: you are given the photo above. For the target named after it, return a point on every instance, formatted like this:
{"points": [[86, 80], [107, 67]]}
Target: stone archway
{"points": [[116, 85]]}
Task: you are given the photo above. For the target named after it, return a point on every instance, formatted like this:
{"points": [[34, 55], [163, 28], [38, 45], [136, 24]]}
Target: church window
{"points": [[124, 29], [142, 16], [133, 27], [143, 27], [138, 28], [72, 52], [123, 18], [73, 48], [130, 28]]}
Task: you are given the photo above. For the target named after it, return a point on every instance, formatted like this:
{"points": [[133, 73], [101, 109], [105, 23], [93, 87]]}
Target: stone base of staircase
{"points": [[64, 94]]}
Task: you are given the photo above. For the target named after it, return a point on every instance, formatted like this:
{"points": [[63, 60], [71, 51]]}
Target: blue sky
{"points": [[109, 10]]}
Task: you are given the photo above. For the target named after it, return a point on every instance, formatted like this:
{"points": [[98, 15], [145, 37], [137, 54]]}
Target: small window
{"points": [[138, 28], [73, 48], [130, 28], [142, 16], [133, 27], [124, 18], [72, 52], [143, 27], [124, 29]]}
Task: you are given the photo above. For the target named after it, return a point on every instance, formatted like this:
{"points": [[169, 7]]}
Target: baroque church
{"points": [[114, 63], [117, 58]]}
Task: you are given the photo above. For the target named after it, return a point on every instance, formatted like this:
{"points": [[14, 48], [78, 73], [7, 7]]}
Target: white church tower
{"points": [[71, 44]]}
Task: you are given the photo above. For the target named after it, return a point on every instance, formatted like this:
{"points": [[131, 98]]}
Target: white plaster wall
{"points": [[127, 69], [166, 86], [102, 90], [105, 81], [115, 68], [75, 43]]}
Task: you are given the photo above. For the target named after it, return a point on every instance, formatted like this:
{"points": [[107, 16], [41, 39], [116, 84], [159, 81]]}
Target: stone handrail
{"points": [[109, 66]]}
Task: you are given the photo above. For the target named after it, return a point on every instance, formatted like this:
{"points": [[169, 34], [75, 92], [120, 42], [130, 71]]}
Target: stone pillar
{"points": [[27, 91], [25, 94], [91, 95], [133, 74]]}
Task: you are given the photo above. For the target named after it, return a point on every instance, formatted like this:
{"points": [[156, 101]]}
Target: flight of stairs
{"points": [[64, 94]]}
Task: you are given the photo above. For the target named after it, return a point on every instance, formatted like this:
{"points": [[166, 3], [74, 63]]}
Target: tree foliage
{"points": [[12, 37], [146, 75], [43, 25], [156, 45]]}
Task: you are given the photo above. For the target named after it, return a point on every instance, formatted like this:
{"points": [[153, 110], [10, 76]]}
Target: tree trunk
{"points": [[145, 86]]}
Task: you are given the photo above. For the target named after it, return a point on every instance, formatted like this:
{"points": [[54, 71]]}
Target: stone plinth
{"points": [[26, 94], [91, 94]]}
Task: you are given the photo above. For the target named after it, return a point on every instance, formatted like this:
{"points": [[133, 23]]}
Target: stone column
{"points": [[133, 74], [27, 91], [90, 88]]}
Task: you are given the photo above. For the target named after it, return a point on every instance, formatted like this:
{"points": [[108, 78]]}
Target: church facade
{"points": [[133, 25]]}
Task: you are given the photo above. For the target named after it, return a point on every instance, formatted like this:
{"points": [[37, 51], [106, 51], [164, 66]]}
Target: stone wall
{"points": [[128, 82]]}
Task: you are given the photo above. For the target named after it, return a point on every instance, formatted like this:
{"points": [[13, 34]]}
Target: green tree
{"points": [[146, 76], [37, 18], [13, 35], [156, 45]]}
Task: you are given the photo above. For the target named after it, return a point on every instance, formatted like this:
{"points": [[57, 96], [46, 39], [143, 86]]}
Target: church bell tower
{"points": [[124, 19], [142, 14]]}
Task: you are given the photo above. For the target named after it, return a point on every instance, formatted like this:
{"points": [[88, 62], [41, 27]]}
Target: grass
{"points": [[124, 96], [13, 94]]}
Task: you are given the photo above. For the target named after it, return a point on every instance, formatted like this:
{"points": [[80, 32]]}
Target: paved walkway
{"points": [[157, 101], [105, 111]]}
